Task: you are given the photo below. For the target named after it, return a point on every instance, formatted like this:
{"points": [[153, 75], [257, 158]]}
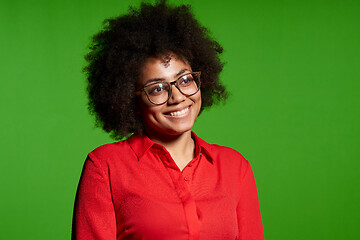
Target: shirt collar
{"points": [[140, 144]]}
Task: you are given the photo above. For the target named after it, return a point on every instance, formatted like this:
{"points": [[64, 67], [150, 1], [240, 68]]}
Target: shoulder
{"points": [[218, 151], [226, 155], [230, 161], [110, 152], [110, 148], [225, 151], [221, 154]]}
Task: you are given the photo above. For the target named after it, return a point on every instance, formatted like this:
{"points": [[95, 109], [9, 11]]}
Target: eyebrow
{"points": [[181, 72], [162, 79]]}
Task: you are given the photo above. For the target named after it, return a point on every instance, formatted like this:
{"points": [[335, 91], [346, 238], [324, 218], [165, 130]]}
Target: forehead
{"points": [[165, 67]]}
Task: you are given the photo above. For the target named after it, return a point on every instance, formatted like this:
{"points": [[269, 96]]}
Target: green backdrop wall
{"points": [[293, 68]]}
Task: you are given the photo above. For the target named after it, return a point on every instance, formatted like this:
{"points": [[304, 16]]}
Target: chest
{"points": [[155, 200]]}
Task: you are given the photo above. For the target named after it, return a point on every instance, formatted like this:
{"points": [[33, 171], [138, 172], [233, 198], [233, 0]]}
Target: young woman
{"points": [[150, 74]]}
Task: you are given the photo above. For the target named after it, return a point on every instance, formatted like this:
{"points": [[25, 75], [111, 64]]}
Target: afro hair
{"points": [[120, 49]]}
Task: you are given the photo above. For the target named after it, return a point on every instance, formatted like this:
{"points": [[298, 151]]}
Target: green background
{"points": [[293, 68]]}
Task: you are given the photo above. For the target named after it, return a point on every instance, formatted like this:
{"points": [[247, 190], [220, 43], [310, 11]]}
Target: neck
{"points": [[173, 142], [181, 147]]}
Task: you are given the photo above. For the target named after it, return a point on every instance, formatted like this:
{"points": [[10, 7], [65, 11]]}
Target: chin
{"points": [[178, 131], [170, 130]]}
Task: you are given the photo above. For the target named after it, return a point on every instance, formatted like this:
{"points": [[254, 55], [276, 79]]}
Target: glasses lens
{"points": [[189, 83], [158, 93]]}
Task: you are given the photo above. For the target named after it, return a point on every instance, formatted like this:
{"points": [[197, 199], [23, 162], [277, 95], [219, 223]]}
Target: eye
{"points": [[157, 89], [186, 79]]}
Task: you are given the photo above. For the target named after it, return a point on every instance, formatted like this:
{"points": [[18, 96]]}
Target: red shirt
{"points": [[134, 190]]}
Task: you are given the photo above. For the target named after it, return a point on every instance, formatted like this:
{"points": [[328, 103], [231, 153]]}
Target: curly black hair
{"points": [[120, 49]]}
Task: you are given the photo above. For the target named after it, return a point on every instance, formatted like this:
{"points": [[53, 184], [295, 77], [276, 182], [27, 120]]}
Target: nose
{"points": [[176, 95]]}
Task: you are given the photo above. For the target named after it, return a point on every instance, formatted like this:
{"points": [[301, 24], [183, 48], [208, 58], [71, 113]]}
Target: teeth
{"points": [[178, 113]]}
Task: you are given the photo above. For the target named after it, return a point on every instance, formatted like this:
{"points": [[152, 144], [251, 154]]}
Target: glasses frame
{"points": [[176, 83]]}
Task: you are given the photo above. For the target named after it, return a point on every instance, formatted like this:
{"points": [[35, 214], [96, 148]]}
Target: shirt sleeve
{"points": [[248, 210], [94, 214]]}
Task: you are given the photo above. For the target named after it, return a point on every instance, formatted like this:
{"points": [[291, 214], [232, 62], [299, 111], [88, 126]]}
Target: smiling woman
{"points": [[163, 181], [179, 113], [176, 112]]}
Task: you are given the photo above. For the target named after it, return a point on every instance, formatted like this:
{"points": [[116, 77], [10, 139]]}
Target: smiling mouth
{"points": [[179, 113]]}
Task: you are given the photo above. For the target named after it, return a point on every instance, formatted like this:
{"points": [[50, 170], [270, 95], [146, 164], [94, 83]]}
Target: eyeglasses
{"points": [[160, 92]]}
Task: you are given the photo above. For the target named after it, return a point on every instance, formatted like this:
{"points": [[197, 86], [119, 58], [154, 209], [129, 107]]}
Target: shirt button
{"points": [[186, 178]]}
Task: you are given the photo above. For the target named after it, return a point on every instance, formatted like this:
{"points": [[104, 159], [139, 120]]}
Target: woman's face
{"points": [[178, 114]]}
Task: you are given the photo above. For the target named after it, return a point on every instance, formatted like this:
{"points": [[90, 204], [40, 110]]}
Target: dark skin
{"points": [[170, 124]]}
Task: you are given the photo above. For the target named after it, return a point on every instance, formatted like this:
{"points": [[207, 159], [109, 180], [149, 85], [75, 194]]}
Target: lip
{"points": [[179, 115]]}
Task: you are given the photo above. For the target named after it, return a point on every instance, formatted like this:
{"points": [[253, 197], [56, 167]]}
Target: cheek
{"points": [[197, 100], [148, 111], [144, 104]]}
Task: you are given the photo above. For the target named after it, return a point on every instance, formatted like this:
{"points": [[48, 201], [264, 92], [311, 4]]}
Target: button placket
{"points": [[182, 184], [187, 173]]}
